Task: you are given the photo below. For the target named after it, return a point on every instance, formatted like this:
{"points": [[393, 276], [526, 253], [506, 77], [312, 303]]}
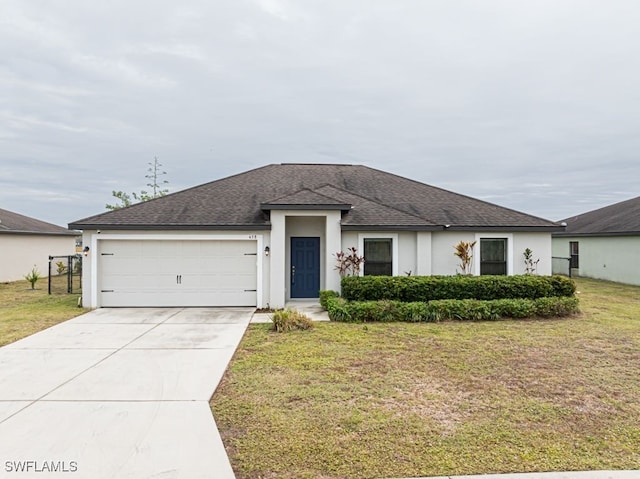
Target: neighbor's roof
{"points": [[367, 197], [15, 223], [618, 219]]}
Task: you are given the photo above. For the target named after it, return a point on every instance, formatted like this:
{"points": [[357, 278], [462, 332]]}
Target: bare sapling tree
{"points": [[156, 184]]}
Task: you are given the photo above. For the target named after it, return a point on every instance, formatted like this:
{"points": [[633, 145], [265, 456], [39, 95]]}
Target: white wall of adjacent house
{"points": [[20, 253], [612, 258]]}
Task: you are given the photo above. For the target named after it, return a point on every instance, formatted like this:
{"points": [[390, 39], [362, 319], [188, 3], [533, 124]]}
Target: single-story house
{"points": [[27, 242], [269, 235], [603, 243]]}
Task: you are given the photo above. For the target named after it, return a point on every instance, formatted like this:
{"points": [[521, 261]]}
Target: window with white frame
{"points": [[380, 252], [493, 256], [378, 256]]}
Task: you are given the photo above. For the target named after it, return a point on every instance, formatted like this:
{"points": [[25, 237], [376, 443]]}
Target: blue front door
{"points": [[305, 267]]}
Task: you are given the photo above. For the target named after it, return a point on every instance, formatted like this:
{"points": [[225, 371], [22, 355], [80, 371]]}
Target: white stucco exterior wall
{"points": [[288, 223], [443, 260], [540, 244], [407, 253], [19, 253], [612, 258], [423, 253], [350, 240]]}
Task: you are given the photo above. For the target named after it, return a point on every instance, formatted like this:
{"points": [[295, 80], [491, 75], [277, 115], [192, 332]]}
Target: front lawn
{"points": [[400, 399], [24, 311]]}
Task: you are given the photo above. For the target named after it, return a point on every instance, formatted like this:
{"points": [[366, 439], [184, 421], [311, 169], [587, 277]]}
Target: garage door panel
{"points": [[219, 264], [178, 273], [226, 248], [139, 282], [157, 299], [224, 281]]}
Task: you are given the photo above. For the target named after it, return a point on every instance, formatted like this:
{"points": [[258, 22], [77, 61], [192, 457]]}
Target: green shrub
{"points": [[462, 309], [414, 312], [325, 295], [337, 309], [33, 276], [449, 309], [285, 320], [429, 288], [562, 286], [559, 306]]}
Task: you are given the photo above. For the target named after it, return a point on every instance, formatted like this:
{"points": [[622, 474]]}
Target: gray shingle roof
{"points": [[15, 223], [305, 198], [618, 219], [378, 198]]}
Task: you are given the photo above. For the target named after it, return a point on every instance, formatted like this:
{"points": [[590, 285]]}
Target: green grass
{"points": [[24, 311], [397, 400]]}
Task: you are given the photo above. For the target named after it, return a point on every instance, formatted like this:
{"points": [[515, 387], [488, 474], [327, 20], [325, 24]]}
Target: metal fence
{"points": [[561, 265], [65, 274]]}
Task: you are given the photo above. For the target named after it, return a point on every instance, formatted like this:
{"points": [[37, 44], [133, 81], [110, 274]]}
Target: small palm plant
{"points": [[464, 251], [33, 276]]}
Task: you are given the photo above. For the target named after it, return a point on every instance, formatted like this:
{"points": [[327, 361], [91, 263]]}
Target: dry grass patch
{"points": [[24, 311], [396, 400]]}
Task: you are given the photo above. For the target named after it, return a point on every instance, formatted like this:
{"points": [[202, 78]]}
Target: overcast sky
{"points": [[533, 105]]}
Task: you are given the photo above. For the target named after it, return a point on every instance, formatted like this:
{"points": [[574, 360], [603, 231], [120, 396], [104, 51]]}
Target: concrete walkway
{"points": [[310, 307], [118, 393]]}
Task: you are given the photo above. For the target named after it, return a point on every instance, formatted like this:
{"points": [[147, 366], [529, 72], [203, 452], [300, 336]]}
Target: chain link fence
{"points": [[561, 265], [65, 274]]}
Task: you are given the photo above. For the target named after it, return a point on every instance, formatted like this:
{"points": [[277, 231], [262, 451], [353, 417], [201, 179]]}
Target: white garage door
{"points": [[177, 273]]}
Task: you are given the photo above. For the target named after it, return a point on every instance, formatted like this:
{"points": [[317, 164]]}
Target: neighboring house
{"points": [[268, 235], [26, 242], [603, 243]]}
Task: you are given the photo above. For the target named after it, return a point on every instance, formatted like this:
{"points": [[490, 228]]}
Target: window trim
{"points": [[394, 248], [509, 252], [572, 255]]}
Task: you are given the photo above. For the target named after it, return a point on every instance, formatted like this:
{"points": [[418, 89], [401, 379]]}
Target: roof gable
{"points": [[621, 218], [378, 197], [308, 200], [372, 214]]}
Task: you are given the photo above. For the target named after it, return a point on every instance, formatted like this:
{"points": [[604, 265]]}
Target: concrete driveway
{"points": [[118, 393]]}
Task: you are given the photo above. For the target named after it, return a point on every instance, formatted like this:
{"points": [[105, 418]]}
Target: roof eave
{"points": [[533, 229], [599, 234], [40, 233], [391, 228], [174, 227]]}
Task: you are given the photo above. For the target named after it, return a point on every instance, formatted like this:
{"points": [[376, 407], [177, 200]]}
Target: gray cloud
{"points": [[532, 105]]}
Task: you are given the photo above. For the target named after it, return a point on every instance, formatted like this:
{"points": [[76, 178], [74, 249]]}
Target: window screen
{"points": [[493, 256], [378, 256]]}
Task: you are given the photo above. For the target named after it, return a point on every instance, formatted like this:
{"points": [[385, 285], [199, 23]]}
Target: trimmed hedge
{"points": [[325, 295], [429, 288], [437, 310]]}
